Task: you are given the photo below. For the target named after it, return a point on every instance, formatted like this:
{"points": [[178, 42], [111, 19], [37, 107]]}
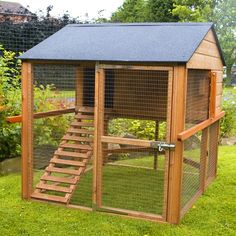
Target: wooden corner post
{"points": [[98, 133], [176, 156], [27, 131]]}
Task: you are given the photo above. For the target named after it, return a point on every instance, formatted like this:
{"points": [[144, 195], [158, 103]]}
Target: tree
{"points": [[197, 10], [161, 11], [225, 24], [221, 13], [131, 11]]}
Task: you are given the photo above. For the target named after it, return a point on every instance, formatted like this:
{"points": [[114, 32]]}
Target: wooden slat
{"points": [[78, 139], [203, 159], [71, 154], [191, 163], [81, 124], [58, 179], [126, 141], [85, 109], [39, 115], [67, 162], [80, 131], [188, 133], [47, 197], [63, 170], [75, 146], [54, 188], [84, 117], [132, 67]]}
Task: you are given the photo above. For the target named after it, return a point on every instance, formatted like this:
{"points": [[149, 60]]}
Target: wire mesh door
{"points": [[136, 117]]}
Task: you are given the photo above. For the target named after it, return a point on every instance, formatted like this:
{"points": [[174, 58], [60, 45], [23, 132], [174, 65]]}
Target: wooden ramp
{"points": [[69, 161]]}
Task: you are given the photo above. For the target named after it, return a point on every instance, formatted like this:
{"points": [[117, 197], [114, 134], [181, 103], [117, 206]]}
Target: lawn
{"points": [[213, 214]]}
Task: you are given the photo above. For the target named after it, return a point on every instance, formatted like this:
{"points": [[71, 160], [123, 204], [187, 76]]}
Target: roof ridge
{"points": [[142, 24]]}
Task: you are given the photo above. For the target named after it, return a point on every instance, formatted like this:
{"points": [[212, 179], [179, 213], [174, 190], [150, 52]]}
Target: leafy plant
{"points": [[228, 123], [141, 129]]}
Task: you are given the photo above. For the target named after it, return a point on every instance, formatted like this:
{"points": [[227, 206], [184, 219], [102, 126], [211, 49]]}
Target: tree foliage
{"points": [[160, 11], [131, 11]]}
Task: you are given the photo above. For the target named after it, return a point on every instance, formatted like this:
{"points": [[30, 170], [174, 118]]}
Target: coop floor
{"points": [[129, 184]]}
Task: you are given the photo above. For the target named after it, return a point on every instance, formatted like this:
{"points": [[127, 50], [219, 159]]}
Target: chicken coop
{"points": [[122, 118]]}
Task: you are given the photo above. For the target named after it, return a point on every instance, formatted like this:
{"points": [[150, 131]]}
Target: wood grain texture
{"points": [[27, 131], [176, 157]]}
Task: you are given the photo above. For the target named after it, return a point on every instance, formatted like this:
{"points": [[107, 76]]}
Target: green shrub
{"points": [[141, 129], [228, 122], [47, 131]]}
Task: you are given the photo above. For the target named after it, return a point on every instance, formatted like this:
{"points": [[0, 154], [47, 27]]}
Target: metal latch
{"points": [[162, 145]]}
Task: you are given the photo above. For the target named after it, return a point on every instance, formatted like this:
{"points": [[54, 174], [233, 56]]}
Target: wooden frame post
{"points": [[176, 157], [27, 131], [212, 109], [203, 160], [98, 133]]}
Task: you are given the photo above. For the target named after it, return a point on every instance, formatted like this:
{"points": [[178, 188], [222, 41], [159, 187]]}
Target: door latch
{"points": [[161, 146]]}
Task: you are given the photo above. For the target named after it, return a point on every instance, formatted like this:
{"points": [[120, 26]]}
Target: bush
{"points": [[10, 104], [142, 129], [47, 131], [228, 122]]}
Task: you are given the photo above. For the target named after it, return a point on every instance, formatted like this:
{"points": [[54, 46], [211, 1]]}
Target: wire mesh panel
{"points": [[62, 138], [134, 178], [198, 96], [191, 168], [213, 150]]}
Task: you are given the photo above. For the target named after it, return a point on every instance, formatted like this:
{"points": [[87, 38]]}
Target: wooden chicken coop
{"points": [[122, 118]]}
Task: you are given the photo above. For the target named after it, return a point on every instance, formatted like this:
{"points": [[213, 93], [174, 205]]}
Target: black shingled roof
{"points": [[146, 42]]}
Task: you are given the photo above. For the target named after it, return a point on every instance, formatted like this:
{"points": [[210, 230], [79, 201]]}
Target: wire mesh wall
{"points": [[191, 168], [213, 150], [62, 139], [136, 104], [198, 96]]}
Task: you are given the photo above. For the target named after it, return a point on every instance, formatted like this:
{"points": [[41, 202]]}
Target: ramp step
{"points": [[80, 124], [71, 154], [80, 131], [54, 188], [84, 117], [85, 109], [76, 146], [78, 139], [58, 179], [64, 171], [67, 162], [47, 197]]}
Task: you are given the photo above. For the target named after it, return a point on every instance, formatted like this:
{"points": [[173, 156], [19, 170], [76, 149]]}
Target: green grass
{"points": [[213, 214]]}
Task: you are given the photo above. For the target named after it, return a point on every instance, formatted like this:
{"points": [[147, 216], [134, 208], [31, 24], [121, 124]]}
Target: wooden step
{"points": [[71, 154], [67, 162], [64, 170], [54, 188], [78, 139], [84, 117], [47, 197], [85, 109], [82, 124], [80, 131], [58, 179], [76, 146]]}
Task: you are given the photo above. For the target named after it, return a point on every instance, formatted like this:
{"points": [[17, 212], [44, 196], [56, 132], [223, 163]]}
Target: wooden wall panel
{"points": [[207, 55]]}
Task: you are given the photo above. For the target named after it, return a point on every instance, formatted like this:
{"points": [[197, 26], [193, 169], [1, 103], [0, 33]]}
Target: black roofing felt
{"points": [[152, 42]]}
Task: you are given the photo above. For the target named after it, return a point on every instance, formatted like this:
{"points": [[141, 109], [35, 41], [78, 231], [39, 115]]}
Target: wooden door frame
{"points": [[100, 139]]}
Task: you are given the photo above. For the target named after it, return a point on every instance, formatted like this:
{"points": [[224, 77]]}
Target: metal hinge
{"points": [[161, 146]]}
